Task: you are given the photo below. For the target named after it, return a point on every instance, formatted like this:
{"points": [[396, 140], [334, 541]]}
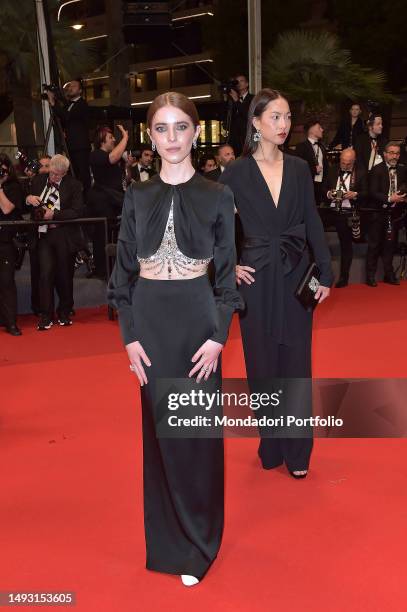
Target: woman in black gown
{"points": [[173, 322], [274, 198]]}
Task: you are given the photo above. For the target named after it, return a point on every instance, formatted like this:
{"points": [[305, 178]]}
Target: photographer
{"points": [[75, 122], [105, 198], [387, 192], [348, 189], [11, 200], [57, 196], [240, 99], [32, 238]]}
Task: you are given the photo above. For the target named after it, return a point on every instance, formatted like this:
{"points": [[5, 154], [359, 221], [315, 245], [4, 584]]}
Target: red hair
{"points": [[100, 135], [178, 100]]}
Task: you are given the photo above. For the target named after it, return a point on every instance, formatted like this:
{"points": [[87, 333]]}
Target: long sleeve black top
{"points": [[204, 228], [275, 237]]}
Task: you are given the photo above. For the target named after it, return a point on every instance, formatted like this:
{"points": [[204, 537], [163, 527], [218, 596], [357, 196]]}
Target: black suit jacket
{"points": [[305, 150], [213, 175], [363, 149], [238, 125], [14, 192], [71, 203], [358, 183], [75, 123], [135, 173], [379, 184]]}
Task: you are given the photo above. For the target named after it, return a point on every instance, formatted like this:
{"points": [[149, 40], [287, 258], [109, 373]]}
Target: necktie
{"points": [[373, 152], [392, 174], [316, 151], [145, 169]]}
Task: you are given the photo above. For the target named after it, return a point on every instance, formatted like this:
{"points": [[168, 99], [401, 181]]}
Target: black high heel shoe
{"points": [[298, 476]]}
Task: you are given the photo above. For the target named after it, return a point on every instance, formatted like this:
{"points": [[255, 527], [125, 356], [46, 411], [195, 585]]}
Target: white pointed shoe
{"points": [[189, 580]]}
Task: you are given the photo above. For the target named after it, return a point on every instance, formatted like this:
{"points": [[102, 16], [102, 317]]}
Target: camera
{"points": [[47, 204], [51, 88], [337, 197], [337, 194], [402, 189], [227, 86], [29, 164]]}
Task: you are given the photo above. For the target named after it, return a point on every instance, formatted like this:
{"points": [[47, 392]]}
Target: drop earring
{"points": [[194, 144], [153, 147], [257, 135]]}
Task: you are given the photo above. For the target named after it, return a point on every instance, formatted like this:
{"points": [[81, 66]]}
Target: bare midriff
{"points": [[168, 263]]}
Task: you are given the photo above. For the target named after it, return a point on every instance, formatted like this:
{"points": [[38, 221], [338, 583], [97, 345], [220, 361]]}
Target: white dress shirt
{"points": [[318, 177], [339, 185]]}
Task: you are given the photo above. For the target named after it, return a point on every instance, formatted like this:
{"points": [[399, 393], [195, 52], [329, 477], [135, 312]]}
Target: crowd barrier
{"points": [[82, 220]]}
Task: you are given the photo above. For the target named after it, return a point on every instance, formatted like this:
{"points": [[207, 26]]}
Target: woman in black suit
{"points": [[275, 200]]}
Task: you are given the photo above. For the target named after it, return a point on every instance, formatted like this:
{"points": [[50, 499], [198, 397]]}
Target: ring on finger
{"points": [[132, 367]]}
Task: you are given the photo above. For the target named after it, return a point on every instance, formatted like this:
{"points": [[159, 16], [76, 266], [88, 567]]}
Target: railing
{"points": [[89, 220]]}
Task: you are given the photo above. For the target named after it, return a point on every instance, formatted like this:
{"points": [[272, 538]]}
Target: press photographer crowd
{"points": [[359, 177]]}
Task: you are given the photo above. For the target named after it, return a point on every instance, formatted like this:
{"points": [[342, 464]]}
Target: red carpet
{"points": [[70, 480]]}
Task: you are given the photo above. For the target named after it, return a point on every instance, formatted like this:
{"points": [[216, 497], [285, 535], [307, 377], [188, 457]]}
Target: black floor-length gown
{"points": [[183, 477], [276, 329]]}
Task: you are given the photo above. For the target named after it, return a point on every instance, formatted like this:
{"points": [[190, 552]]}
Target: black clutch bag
{"points": [[307, 288]]}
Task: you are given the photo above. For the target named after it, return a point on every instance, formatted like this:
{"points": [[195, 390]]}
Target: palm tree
{"points": [[19, 56], [312, 69], [17, 41]]}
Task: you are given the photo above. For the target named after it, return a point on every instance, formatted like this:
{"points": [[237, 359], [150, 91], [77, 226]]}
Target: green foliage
{"points": [[376, 33], [226, 35], [310, 67], [226, 32], [74, 58], [18, 44], [17, 39]]}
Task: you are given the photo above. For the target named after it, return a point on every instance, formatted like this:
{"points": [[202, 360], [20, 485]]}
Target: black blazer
{"points": [[71, 203], [363, 149], [238, 125], [13, 192], [379, 184], [204, 228], [305, 150], [213, 175], [75, 123], [348, 134], [358, 182], [135, 173]]}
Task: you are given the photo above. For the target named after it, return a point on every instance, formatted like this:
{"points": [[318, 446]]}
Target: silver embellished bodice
{"points": [[168, 262]]}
